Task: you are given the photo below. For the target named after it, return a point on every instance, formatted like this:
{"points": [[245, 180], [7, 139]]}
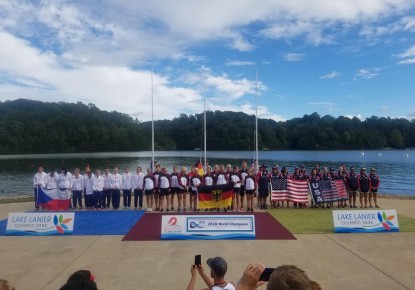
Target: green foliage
{"points": [[28, 126]]}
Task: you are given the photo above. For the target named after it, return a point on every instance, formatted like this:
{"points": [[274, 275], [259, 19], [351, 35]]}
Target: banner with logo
{"points": [[365, 221], [207, 227], [40, 223]]}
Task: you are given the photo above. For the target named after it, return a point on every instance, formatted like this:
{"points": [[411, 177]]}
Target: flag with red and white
{"points": [[328, 190], [283, 189]]}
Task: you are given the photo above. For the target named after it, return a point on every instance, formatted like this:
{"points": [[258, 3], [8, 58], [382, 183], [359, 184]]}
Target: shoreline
{"points": [[25, 198]]}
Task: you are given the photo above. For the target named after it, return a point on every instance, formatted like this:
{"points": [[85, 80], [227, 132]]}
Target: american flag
{"points": [[328, 190], [288, 189]]}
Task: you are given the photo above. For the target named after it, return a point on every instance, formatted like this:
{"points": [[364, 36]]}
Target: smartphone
{"points": [[265, 275], [198, 260]]}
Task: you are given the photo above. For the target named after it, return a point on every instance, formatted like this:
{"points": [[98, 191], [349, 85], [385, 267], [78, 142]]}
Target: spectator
{"points": [[285, 277], [218, 268], [80, 280], [5, 285]]}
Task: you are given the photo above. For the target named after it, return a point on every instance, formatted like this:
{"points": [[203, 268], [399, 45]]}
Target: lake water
{"points": [[396, 168]]}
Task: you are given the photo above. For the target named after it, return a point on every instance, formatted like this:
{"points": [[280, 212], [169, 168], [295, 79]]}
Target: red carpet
{"points": [[148, 228]]}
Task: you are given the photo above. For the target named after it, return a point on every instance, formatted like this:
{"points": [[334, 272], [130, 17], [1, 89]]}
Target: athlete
{"points": [[97, 188], [326, 177], [352, 184], [65, 183], [364, 186], [195, 182], [116, 180], [297, 175], [244, 173], [342, 175], [284, 174], [235, 177], [156, 175], [183, 188], [274, 175], [39, 180], [149, 186], [315, 178], [222, 176], [77, 188], [138, 187], [164, 185], [250, 188], [174, 186], [89, 193], [85, 176], [126, 186], [374, 187], [263, 186], [208, 179], [106, 193]]}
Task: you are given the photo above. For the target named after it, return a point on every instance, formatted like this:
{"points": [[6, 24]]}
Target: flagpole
{"points": [[152, 121], [204, 120], [256, 122]]}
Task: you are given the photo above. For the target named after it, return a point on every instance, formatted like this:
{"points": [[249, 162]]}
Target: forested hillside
{"points": [[28, 126]]}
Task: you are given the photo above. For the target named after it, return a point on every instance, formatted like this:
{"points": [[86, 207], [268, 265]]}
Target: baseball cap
{"points": [[275, 168], [373, 169], [363, 169], [218, 265]]}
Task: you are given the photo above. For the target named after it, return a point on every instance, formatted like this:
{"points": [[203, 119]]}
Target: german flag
{"points": [[215, 196]]}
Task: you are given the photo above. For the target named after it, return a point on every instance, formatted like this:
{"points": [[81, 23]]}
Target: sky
{"points": [[340, 58]]}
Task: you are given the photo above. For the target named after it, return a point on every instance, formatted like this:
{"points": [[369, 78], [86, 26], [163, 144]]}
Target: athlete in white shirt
{"points": [[116, 180], [52, 180], [65, 184], [106, 193], [138, 186], [97, 188], [77, 188], [126, 186], [38, 180], [89, 193]]}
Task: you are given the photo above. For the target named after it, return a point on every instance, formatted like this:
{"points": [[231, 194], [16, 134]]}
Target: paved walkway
{"points": [[341, 261]]}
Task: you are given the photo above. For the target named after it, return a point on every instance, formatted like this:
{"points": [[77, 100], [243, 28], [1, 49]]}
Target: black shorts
{"points": [[236, 190], [374, 190], [175, 190], [250, 192], [164, 191], [181, 190], [263, 192], [194, 192], [148, 192]]}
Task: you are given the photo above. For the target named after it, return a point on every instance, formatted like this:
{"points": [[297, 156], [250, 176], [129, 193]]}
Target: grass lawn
{"points": [[320, 221]]}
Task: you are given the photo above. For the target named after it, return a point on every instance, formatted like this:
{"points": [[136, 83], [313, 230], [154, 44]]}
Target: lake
{"points": [[395, 167]]}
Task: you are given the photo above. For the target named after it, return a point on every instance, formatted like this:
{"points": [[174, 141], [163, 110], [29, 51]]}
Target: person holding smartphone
{"points": [[218, 269]]}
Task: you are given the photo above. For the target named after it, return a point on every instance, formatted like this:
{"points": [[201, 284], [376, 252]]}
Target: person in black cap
{"points": [[218, 269], [263, 185], [374, 186]]}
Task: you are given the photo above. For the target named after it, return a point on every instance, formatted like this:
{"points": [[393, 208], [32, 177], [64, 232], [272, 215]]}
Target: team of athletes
{"points": [[163, 190]]}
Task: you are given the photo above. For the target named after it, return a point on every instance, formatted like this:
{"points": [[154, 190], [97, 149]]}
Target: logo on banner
{"points": [[41, 223], [172, 226], [217, 195], [368, 221]]}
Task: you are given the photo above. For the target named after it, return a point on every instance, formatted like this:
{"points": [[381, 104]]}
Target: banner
{"points": [[328, 190], [215, 196], [207, 227], [287, 189], [40, 223], [53, 199], [365, 221]]}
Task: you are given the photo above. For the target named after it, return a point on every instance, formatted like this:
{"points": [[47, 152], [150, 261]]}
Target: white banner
{"points": [[365, 221], [40, 223], [207, 227]]}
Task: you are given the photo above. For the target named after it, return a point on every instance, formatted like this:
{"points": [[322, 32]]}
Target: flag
{"points": [[53, 199], [328, 190], [287, 189], [215, 196], [199, 167]]}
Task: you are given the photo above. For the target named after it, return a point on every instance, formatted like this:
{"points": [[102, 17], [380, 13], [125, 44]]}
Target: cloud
{"points": [[293, 57], [407, 56], [384, 109], [367, 73], [332, 75], [239, 63], [331, 107]]}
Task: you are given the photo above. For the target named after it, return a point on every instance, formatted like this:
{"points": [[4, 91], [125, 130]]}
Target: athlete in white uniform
{"points": [[38, 180]]}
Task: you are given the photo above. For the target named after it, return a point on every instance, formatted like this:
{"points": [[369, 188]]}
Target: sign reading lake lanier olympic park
{"points": [[207, 227], [365, 221], [40, 223]]}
